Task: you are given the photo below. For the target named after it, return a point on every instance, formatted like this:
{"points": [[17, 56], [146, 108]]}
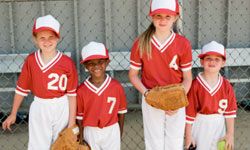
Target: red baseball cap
{"points": [[213, 48], [94, 50], [46, 23], [170, 7]]}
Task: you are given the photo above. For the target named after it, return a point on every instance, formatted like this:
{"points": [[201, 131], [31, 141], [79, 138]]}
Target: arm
{"points": [[121, 122], [188, 136], [229, 137], [136, 81], [18, 99], [81, 128], [72, 111], [187, 80]]}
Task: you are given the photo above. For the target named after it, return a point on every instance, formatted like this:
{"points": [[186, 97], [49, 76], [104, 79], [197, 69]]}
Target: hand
{"points": [[171, 112], [9, 121], [229, 141], [189, 142]]}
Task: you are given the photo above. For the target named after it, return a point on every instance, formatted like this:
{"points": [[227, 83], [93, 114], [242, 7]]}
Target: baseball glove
{"points": [[170, 97], [67, 140]]}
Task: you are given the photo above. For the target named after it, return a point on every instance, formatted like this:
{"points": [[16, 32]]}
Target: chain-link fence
{"points": [[117, 23]]}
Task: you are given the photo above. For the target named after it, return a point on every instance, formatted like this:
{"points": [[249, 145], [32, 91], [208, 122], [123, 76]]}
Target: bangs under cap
{"points": [[213, 48], [170, 7], [94, 50], [46, 23]]}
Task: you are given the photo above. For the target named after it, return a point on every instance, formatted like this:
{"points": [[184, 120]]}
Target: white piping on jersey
{"points": [[21, 91], [134, 67], [71, 91], [230, 114], [71, 94], [79, 117], [99, 90], [46, 67], [210, 90], [164, 46], [123, 111]]}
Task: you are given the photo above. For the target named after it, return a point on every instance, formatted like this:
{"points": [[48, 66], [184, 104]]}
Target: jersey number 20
{"points": [[61, 80]]}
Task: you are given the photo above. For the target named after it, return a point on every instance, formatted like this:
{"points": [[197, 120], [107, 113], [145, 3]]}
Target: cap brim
{"points": [[94, 57], [201, 56], [163, 11], [45, 28]]}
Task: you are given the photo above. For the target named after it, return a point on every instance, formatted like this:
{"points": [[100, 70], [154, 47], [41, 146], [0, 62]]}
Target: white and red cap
{"points": [[46, 23], [94, 50], [213, 48], [170, 7]]}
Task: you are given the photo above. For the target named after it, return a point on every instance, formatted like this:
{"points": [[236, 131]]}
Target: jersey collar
{"points": [[52, 62], [164, 46], [98, 90], [211, 90]]}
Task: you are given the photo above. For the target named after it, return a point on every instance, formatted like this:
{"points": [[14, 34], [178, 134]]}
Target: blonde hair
{"points": [[144, 44]]}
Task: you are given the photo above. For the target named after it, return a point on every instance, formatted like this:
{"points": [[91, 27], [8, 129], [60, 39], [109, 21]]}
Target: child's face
{"points": [[212, 63], [163, 22], [97, 67], [46, 41]]}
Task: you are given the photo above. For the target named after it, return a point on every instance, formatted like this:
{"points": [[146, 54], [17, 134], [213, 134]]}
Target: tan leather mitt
{"points": [[67, 140], [170, 97]]}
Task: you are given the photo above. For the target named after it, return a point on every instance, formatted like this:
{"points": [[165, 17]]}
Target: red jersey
{"points": [[55, 79], [99, 107], [168, 61], [206, 100]]}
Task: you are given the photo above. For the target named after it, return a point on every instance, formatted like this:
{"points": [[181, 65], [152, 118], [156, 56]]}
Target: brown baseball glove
{"points": [[67, 140], [170, 97]]}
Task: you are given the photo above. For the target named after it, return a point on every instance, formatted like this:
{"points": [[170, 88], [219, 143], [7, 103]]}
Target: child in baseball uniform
{"points": [[51, 76], [164, 57], [101, 101], [212, 103]]}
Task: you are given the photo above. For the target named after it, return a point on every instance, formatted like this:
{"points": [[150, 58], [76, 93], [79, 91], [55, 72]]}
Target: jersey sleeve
{"points": [[24, 79], [230, 111], [123, 103], [80, 105], [191, 109], [72, 80], [135, 60], [186, 60]]}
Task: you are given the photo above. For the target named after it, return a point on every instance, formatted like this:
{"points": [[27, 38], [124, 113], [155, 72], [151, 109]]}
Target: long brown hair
{"points": [[144, 41]]}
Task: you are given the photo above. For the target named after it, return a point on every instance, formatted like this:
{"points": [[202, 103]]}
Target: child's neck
{"points": [[97, 82], [211, 78], [162, 36], [47, 57]]}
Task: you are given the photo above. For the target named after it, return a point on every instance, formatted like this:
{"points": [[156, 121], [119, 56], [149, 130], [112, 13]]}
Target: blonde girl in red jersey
{"points": [[164, 58], [52, 78], [212, 103]]}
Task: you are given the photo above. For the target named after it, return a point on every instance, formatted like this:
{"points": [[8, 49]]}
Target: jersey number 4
{"points": [[173, 63], [57, 82]]}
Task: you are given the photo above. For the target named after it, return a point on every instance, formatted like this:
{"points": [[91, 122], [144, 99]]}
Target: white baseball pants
{"points": [[47, 117], [207, 130], [163, 132], [107, 138]]}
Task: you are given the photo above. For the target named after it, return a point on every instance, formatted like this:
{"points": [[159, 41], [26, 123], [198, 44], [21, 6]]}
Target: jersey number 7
{"points": [[111, 100]]}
